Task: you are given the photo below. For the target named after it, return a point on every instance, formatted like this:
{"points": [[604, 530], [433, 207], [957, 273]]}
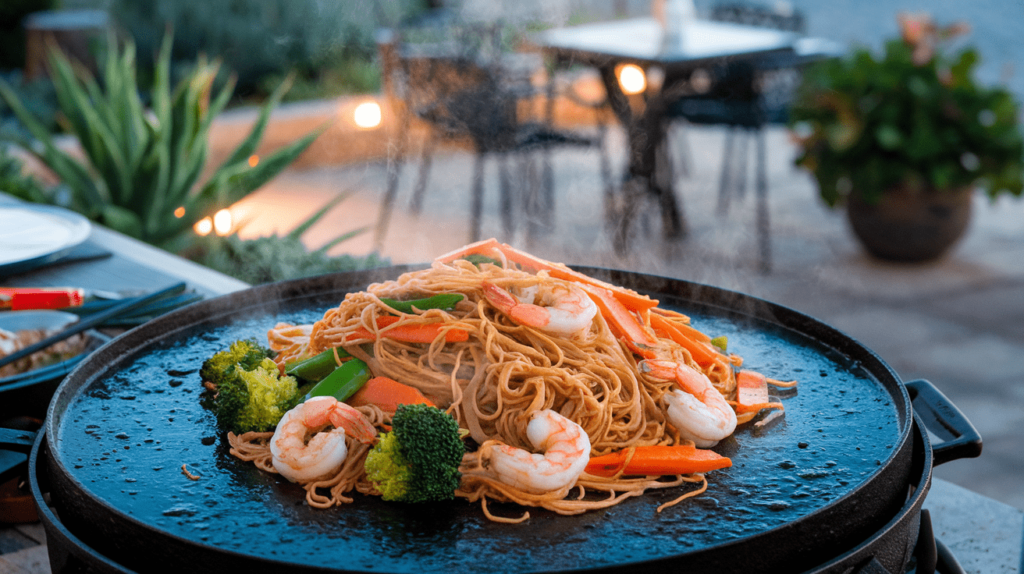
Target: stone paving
{"points": [[958, 322]]}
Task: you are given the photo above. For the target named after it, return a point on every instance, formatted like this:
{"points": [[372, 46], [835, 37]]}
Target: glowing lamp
{"points": [[203, 227], [367, 115], [632, 79], [222, 222], [179, 213]]}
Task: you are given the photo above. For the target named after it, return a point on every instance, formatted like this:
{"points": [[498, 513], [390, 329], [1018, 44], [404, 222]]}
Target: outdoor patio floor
{"points": [[958, 322]]}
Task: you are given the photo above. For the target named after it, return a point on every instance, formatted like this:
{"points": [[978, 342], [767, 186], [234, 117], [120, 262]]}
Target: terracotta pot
{"points": [[909, 224]]}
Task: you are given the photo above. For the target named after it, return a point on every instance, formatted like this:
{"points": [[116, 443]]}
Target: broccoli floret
{"points": [[418, 461], [244, 388]]}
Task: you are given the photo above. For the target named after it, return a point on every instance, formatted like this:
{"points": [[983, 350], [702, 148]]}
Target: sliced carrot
{"points": [[485, 247], [751, 392], [682, 324], [410, 333], [631, 299], [622, 322], [658, 461], [387, 394], [703, 353]]}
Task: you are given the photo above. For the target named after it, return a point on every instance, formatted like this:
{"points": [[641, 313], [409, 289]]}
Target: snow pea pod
{"points": [[443, 301], [343, 382], [314, 369]]}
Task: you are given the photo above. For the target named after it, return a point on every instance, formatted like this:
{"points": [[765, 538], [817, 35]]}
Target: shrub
{"points": [[142, 176], [260, 38], [274, 258], [913, 116], [14, 181]]}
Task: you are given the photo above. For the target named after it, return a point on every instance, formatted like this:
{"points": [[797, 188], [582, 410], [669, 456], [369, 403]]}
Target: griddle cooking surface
{"points": [[126, 436]]}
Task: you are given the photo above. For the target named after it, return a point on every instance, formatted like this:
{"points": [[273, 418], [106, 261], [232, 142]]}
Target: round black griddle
{"points": [[800, 491]]}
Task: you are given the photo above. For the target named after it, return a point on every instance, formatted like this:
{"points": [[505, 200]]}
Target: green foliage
{"points": [[260, 38], [244, 389], [144, 164], [911, 117], [39, 99], [13, 180], [274, 258], [418, 461], [351, 74]]}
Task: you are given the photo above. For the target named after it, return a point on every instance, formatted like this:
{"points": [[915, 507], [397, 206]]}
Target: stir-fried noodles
{"points": [[617, 377]]}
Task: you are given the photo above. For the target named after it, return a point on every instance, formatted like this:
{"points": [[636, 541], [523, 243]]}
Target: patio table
{"points": [[640, 41]]}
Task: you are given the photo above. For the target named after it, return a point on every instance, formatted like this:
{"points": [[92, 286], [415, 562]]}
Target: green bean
{"points": [[343, 382], [443, 301], [314, 369]]}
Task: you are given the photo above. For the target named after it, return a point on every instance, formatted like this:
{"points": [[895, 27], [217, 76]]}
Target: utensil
{"points": [[139, 315], [90, 322], [801, 492], [24, 298]]}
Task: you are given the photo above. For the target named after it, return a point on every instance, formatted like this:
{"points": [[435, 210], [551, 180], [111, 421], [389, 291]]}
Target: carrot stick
{"points": [[751, 392], [621, 320], [657, 461], [702, 353], [631, 299], [387, 394], [691, 333], [410, 333]]}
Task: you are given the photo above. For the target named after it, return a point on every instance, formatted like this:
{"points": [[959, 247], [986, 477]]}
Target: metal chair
{"points": [[745, 97], [468, 88]]}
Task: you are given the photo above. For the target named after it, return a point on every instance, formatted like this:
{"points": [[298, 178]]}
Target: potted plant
{"points": [[904, 139]]}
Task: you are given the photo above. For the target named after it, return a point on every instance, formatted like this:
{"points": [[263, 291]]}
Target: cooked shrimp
{"points": [[697, 410], [566, 452], [554, 307], [304, 450]]}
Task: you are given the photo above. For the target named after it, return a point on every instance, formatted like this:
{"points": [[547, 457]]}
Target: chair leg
{"points": [[743, 154], [530, 202], [633, 194], [684, 154], [673, 217], [426, 162], [394, 168], [507, 202], [478, 198], [764, 236], [725, 180], [547, 188]]}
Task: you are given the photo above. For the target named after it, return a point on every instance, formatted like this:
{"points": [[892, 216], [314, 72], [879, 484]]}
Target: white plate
{"points": [[32, 235]]}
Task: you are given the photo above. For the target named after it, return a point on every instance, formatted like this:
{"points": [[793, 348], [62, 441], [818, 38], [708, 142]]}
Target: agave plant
{"points": [[144, 165]]}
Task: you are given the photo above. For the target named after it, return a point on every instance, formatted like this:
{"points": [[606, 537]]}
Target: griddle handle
{"points": [[944, 419]]}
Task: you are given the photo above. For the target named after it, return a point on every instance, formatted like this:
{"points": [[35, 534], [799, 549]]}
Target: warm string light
{"points": [[180, 212], [254, 160], [632, 79], [367, 115], [222, 222], [203, 227]]}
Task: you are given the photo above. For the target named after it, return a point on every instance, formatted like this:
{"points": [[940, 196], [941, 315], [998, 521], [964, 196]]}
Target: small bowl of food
{"points": [[27, 385]]}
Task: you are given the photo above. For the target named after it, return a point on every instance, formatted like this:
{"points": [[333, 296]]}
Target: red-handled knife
{"points": [[20, 298]]}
